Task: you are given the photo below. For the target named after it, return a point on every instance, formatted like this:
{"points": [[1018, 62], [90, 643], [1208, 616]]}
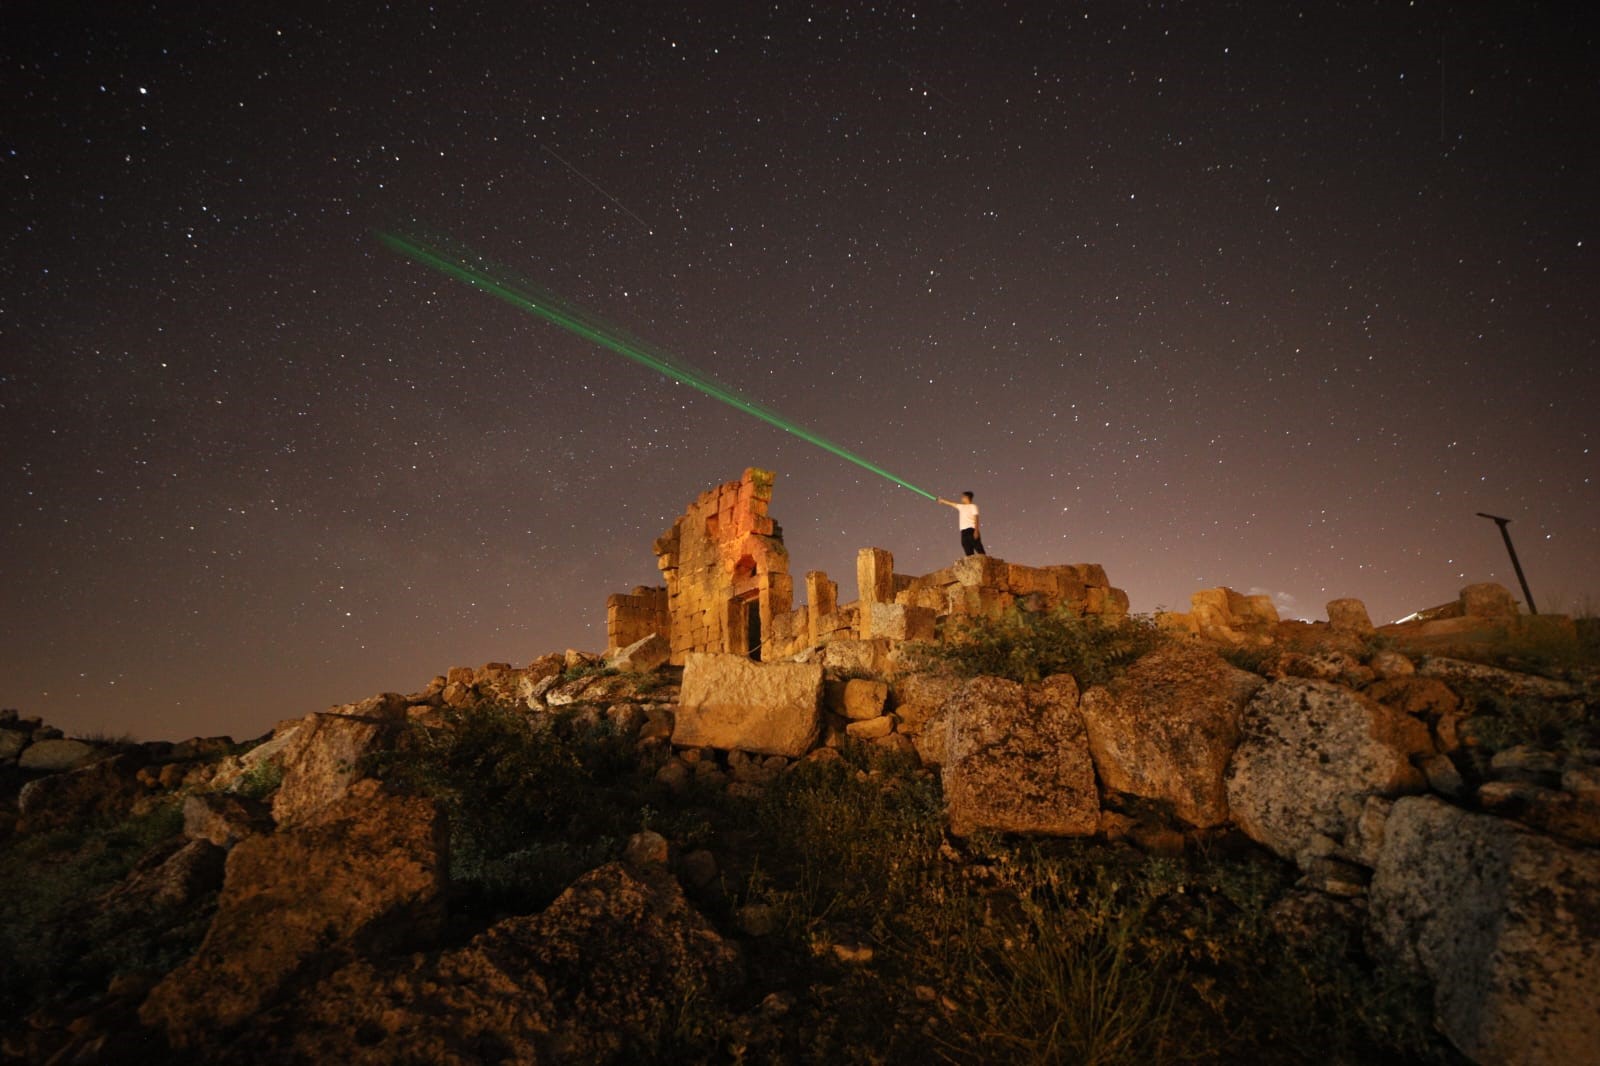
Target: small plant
{"points": [[261, 780], [56, 942], [533, 801], [1060, 998], [587, 668], [1497, 721], [848, 845], [646, 683], [1028, 646], [1251, 658]]}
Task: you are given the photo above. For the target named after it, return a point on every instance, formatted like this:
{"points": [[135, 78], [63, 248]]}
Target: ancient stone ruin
{"points": [[728, 588]]}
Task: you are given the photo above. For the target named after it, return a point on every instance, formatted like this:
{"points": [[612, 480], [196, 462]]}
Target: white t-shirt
{"points": [[966, 516]]}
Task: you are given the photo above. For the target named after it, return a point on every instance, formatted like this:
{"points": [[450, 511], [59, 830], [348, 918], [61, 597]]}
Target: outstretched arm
{"points": [[947, 503]]}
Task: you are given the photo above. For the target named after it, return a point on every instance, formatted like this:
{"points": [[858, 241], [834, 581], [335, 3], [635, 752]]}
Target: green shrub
{"points": [[261, 780], [1028, 646], [56, 944], [1496, 721], [1059, 998], [594, 668], [844, 843], [533, 801]]}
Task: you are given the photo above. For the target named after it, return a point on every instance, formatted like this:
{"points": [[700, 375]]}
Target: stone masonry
{"points": [[726, 570], [728, 588]]}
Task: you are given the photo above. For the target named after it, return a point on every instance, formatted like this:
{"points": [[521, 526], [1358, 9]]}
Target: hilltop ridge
{"points": [[934, 824]]}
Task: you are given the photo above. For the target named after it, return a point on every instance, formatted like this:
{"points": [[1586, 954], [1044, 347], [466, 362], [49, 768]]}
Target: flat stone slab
{"points": [[730, 702]]}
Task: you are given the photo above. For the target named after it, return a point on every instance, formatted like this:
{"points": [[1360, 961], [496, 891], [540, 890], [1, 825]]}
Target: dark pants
{"points": [[971, 543]]}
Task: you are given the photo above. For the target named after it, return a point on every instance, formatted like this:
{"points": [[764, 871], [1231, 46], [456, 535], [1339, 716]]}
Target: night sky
{"points": [[1269, 295]]}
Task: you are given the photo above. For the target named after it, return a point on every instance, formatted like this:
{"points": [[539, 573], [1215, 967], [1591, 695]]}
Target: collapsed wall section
{"points": [[726, 571], [630, 617]]}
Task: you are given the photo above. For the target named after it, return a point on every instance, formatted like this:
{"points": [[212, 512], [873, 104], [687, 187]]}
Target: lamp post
{"points": [[1515, 565]]}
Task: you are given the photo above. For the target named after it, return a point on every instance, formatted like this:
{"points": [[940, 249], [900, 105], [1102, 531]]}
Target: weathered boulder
{"points": [[1553, 811], [1503, 922], [917, 696], [106, 789], [273, 748], [1427, 699], [646, 847], [1324, 665], [864, 699], [12, 741], [1387, 664], [599, 689], [1461, 674], [871, 728], [1488, 600], [899, 621], [325, 757], [1349, 616], [852, 657], [364, 874], [57, 754], [164, 880], [642, 656], [224, 819], [497, 683], [1166, 729], [594, 978], [730, 702], [1307, 748], [1017, 759]]}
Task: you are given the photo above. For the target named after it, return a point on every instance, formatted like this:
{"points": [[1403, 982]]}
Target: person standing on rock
{"points": [[967, 519]]}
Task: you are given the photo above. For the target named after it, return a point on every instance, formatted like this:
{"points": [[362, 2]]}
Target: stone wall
{"points": [[630, 617]]}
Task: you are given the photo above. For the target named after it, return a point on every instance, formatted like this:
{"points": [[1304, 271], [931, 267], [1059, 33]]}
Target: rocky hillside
{"points": [[1053, 840]]}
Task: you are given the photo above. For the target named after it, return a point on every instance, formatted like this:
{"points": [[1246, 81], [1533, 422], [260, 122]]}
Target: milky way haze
{"points": [[1268, 295]]}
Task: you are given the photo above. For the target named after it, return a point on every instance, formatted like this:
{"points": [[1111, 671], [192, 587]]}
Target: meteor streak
{"points": [[576, 322]]}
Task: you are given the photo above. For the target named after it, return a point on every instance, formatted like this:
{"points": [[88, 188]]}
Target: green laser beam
{"points": [[585, 326]]}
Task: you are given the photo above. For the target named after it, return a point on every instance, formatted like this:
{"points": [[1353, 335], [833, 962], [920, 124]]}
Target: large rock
{"points": [[730, 702], [917, 696], [864, 698], [592, 979], [1463, 675], [58, 754], [163, 880], [853, 658], [106, 789], [1504, 922], [273, 748], [12, 741], [1349, 616], [642, 656], [1309, 751], [327, 753], [224, 819], [1488, 600], [1166, 729], [1425, 698], [365, 874], [601, 690], [1017, 759]]}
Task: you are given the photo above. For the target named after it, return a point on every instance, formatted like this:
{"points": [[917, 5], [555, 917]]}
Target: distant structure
{"points": [[728, 587]]}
